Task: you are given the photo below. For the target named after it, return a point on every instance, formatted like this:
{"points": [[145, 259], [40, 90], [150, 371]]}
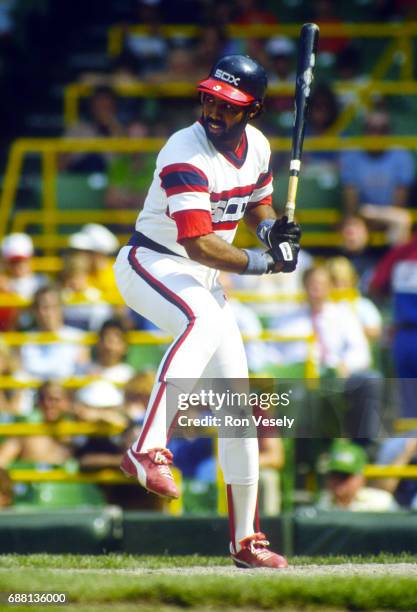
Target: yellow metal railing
{"points": [[102, 477], [61, 429], [391, 471], [14, 300], [364, 91], [49, 216], [134, 337], [401, 33]]}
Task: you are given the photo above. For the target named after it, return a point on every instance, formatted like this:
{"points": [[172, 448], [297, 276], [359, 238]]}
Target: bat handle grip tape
{"points": [[292, 192]]}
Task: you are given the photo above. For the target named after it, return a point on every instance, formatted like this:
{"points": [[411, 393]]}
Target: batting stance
{"points": [[208, 177]]}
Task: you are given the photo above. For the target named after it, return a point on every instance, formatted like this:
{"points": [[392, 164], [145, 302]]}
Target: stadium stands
{"points": [[41, 199]]}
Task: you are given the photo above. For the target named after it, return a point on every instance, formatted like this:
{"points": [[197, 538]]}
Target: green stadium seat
{"points": [[199, 497], [80, 192], [66, 495], [55, 494], [292, 370], [319, 188], [145, 356]]}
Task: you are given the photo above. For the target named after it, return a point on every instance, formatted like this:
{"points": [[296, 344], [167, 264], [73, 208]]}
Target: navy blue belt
{"points": [[140, 240]]}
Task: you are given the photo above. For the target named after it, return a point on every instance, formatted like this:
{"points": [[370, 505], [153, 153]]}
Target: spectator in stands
{"points": [[137, 392], [340, 350], [110, 352], [323, 112], [271, 460], [253, 12], [220, 13], [102, 122], [124, 70], [389, 10], [377, 182], [100, 402], [180, 68], [92, 311], [399, 452], [53, 405], [348, 72], [8, 314], [345, 282], [12, 401], [280, 53], [396, 274], [130, 174], [212, 44], [325, 12], [194, 456], [61, 359], [356, 246], [17, 252], [49, 451], [346, 486], [150, 47], [6, 489], [276, 293], [100, 244], [249, 324]]}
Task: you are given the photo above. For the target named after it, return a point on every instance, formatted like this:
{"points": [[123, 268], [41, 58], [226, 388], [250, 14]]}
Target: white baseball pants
{"points": [[185, 300]]}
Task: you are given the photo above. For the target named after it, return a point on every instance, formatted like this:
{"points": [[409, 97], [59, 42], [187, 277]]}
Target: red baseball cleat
{"points": [[254, 553], [152, 470]]}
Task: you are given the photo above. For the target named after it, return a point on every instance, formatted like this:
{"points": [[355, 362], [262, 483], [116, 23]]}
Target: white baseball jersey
{"points": [[197, 189]]}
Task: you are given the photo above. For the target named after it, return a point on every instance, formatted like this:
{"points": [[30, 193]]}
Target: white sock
{"points": [[244, 506]]}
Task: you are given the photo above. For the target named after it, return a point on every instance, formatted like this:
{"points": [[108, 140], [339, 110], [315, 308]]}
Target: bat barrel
{"points": [[307, 49]]}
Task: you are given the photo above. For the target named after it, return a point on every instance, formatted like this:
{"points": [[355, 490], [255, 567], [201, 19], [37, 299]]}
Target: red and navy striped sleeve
{"points": [[186, 187], [263, 187]]}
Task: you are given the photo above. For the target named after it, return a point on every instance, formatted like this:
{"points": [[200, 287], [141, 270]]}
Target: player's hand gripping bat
{"points": [[307, 49]]}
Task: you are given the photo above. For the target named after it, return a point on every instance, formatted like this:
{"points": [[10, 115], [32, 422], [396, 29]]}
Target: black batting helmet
{"points": [[236, 78]]}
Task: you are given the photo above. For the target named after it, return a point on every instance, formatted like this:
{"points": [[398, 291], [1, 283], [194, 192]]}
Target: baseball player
{"points": [[208, 177]]}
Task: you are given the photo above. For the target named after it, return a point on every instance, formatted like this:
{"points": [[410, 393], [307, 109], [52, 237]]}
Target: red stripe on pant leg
{"points": [[231, 516], [151, 417], [158, 285], [175, 347], [257, 523], [171, 297]]}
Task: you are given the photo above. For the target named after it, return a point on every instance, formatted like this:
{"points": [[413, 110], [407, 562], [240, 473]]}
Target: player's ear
{"points": [[254, 111]]}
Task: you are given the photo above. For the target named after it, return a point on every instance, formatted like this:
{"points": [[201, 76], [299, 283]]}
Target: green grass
{"points": [[95, 587], [123, 561]]}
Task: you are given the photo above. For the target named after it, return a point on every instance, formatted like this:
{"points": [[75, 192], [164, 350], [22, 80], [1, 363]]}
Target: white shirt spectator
{"points": [[367, 312], [55, 360], [120, 373], [340, 339], [367, 499], [248, 323]]}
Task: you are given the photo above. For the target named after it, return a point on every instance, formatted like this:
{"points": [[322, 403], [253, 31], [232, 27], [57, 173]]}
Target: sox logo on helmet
{"points": [[228, 78]]}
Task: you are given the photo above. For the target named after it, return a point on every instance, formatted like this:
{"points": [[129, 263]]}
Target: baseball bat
{"points": [[307, 48]]}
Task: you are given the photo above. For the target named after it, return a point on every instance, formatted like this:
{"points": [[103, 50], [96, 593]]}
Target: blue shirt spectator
{"points": [[376, 177]]}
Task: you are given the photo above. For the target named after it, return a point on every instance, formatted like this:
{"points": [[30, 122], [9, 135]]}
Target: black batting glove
{"points": [[272, 233], [286, 253]]}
